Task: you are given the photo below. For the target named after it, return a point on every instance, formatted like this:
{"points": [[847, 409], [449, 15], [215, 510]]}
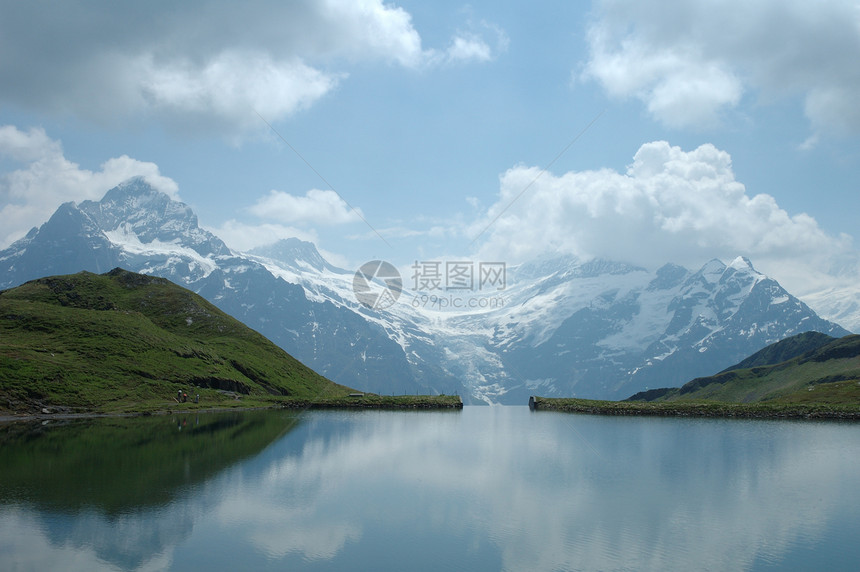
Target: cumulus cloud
{"points": [[206, 66], [221, 93], [45, 179], [465, 48], [316, 207], [472, 45], [242, 236], [691, 62], [670, 205]]}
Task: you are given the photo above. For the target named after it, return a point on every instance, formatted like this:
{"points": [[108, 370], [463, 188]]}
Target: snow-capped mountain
{"points": [[140, 229], [557, 327], [618, 328]]}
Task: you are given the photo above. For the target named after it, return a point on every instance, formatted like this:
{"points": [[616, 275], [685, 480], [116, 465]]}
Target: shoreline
{"points": [[695, 409], [367, 401], [12, 417]]}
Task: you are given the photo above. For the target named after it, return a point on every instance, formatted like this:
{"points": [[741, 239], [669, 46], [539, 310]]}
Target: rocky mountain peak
{"points": [[742, 263], [139, 204], [293, 253], [134, 189], [135, 210]]}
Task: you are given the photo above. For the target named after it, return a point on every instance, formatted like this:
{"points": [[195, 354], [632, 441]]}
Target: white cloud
{"points": [[465, 48], [690, 62], [669, 206], [473, 45], [242, 236], [380, 30], [317, 207], [204, 67], [46, 179], [229, 88], [27, 146], [25, 543]]}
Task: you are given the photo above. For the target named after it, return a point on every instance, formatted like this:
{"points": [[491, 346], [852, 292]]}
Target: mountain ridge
{"points": [[592, 328]]}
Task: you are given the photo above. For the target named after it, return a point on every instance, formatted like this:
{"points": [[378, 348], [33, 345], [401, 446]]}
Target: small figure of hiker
{"points": [[184, 397], [179, 396]]}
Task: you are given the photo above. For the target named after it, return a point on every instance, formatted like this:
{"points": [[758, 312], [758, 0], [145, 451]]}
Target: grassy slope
{"points": [[784, 350], [822, 382], [770, 409], [829, 374], [123, 341]]}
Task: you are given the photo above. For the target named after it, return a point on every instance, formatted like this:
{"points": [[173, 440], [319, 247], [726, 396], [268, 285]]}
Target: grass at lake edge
{"points": [[762, 410], [213, 401]]}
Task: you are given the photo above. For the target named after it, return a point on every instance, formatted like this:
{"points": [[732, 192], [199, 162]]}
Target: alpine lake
{"points": [[483, 488]]}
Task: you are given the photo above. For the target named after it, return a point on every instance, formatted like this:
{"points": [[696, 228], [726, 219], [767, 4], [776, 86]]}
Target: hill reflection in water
{"points": [[482, 489]]}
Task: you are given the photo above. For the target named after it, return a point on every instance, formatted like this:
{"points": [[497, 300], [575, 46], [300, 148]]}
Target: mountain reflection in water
{"points": [[486, 488]]}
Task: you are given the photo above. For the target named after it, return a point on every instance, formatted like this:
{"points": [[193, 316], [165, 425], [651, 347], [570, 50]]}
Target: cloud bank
{"points": [[205, 67], [690, 63], [670, 205]]}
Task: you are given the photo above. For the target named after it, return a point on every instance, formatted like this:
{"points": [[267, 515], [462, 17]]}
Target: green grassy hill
{"points": [[828, 373], [784, 350], [128, 342]]}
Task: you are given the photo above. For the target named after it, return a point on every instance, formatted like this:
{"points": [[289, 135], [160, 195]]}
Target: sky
{"points": [[636, 130]]}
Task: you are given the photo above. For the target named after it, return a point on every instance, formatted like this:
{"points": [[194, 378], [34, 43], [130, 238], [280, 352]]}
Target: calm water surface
{"points": [[498, 488]]}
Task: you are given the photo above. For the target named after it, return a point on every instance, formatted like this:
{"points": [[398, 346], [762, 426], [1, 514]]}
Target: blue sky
{"points": [[710, 128]]}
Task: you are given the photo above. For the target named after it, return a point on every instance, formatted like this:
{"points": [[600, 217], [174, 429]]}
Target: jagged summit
{"points": [[134, 187], [134, 211], [715, 272], [128, 201], [124, 201], [742, 263]]}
